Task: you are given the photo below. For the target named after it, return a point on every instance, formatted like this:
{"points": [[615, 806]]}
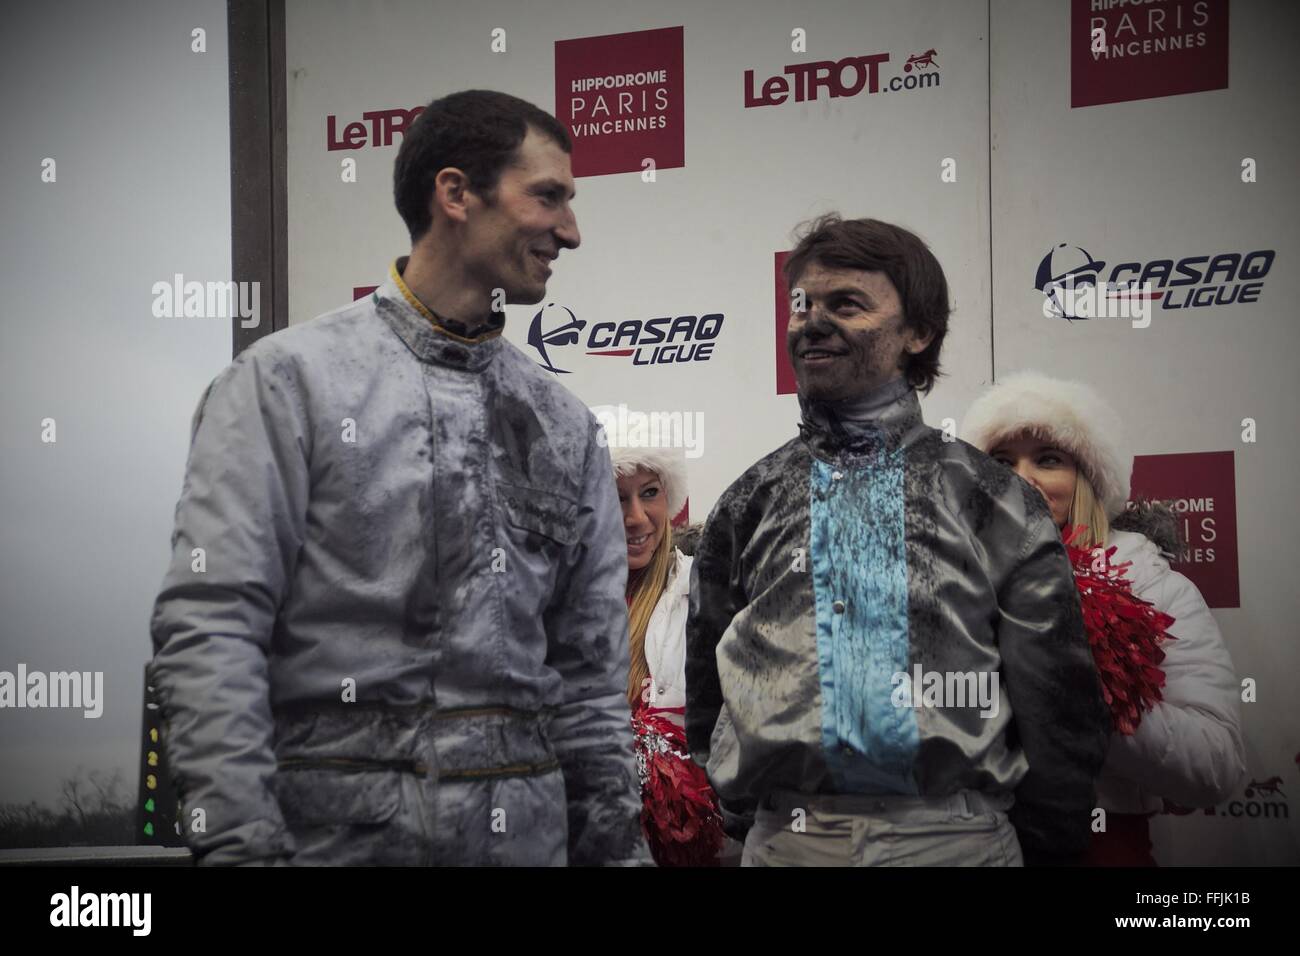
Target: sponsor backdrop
{"points": [[1127, 164], [726, 111], [702, 138]]}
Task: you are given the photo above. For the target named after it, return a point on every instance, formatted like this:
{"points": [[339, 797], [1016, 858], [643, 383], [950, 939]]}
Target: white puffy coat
{"points": [[665, 640], [1188, 748]]}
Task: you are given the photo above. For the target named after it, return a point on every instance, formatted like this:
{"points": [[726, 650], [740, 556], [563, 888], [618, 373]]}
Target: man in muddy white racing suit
{"points": [[393, 629]]}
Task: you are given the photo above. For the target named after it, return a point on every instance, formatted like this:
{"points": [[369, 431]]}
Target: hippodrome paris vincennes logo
{"points": [[622, 98], [660, 341], [1070, 279], [1122, 51]]}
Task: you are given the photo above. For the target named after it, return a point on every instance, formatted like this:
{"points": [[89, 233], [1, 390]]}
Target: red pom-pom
{"points": [[679, 810], [1124, 632]]}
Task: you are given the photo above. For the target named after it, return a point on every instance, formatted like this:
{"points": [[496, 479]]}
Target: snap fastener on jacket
{"points": [[836, 475], [838, 607]]}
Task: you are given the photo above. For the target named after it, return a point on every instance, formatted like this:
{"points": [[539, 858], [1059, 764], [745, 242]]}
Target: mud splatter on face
{"points": [[851, 338]]}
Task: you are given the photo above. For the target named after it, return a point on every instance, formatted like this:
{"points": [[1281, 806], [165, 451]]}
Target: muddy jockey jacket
{"points": [[867, 548], [424, 523]]}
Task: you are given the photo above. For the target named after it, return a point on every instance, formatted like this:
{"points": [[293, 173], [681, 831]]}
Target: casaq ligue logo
{"points": [[660, 341], [1070, 280]]}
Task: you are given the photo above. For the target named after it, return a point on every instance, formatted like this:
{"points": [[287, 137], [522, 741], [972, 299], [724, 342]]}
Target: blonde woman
{"points": [[1176, 735], [680, 812]]}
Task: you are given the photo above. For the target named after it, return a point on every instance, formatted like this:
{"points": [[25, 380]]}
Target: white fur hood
{"points": [[1069, 414]]}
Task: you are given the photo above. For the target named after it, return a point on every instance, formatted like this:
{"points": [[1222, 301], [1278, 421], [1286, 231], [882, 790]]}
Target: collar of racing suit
{"points": [[868, 424], [431, 337]]}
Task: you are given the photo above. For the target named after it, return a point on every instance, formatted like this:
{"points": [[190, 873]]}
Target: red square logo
{"points": [[785, 380], [1146, 50], [1201, 487], [622, 99]]}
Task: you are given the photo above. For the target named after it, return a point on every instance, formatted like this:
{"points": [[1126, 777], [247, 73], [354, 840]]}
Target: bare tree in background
{"points": [[94, 811], [70, 790]]}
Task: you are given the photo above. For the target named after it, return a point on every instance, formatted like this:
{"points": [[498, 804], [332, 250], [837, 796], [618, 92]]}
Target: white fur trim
{"points": [[1069, 414], [668, 463]]}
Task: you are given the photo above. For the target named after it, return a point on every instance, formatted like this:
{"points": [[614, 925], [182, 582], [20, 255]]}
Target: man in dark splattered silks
{"points": [[886, 663], [406, 640]]}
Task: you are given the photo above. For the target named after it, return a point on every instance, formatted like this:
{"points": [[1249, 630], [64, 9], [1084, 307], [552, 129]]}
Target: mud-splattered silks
{"points": [[864, 548], [408, 639]]}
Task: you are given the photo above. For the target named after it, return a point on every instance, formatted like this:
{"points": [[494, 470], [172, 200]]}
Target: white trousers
{"points": [[965, 829]]}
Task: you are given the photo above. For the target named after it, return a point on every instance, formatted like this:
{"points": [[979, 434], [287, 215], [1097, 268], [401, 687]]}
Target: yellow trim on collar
{"points": [[420, 307]]}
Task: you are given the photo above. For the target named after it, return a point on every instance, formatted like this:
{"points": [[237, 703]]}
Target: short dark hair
{"points": [[476, 131], [874, 246]]}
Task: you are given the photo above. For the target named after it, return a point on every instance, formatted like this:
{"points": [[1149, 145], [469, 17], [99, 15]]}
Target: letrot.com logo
{"points": [[385, 127], [1070, 279], [849, 76], [1264, 799], [661, 341]]}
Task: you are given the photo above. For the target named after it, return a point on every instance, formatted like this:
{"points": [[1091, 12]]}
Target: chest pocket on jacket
{"points": [[546, 513]]}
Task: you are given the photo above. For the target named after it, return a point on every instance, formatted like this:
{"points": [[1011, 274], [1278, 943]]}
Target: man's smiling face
{"points": [[850, 338], [515, 234]]}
